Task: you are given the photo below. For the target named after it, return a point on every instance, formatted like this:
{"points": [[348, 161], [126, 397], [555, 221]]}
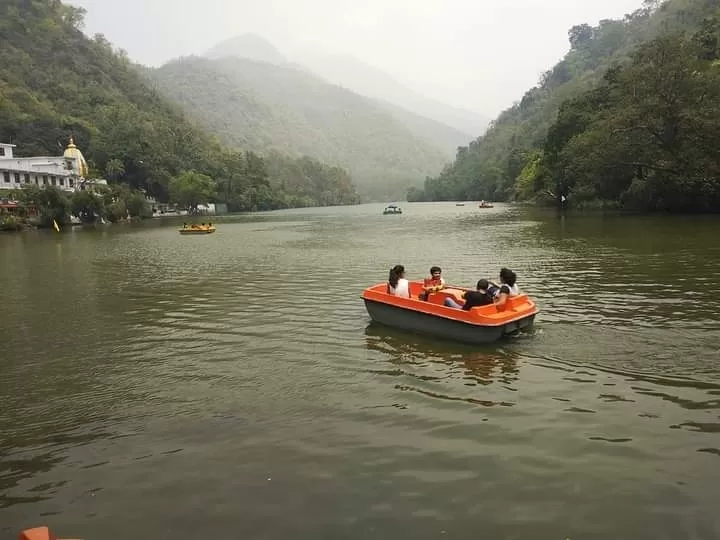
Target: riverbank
{"points": [[50, 206]]}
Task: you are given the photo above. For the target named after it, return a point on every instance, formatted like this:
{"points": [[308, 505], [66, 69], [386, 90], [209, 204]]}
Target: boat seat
{"points": [[515, 301], [439, 297]]}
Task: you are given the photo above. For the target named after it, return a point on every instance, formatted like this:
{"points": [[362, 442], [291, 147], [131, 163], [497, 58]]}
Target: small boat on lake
{"points": [[392, 209], [197, 229], [460, 204], [485, 204], [483, 324]]}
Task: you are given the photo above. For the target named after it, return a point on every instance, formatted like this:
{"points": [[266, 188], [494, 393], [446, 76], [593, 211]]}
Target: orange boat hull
{"points": [[483, 324], [40, 533]]}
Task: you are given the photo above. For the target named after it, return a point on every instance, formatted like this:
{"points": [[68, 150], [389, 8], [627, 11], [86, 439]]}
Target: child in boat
{"points": [[397, 284], [434, 283], [479, 297]]}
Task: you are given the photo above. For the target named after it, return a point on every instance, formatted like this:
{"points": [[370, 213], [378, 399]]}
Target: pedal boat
{"points": [[197, 229], [484, 324], [392, 209]]}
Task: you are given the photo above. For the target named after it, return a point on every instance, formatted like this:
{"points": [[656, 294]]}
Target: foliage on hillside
{"points": [[54, 81], [261, 107], [647, 137], [509, 160], [307, 179]]}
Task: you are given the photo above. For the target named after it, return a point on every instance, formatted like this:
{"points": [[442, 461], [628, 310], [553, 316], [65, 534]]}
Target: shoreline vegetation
{"points": [[626, 121], [43, 207]]}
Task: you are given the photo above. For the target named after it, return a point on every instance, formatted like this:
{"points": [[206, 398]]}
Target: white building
{"points": [[67, 172]]}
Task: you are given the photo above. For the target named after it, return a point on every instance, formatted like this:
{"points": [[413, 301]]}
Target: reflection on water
{"points": [[466, 363], [232, 385]]}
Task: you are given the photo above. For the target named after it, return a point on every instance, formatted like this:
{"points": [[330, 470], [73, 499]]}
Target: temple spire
{"points": [[74, 153]]}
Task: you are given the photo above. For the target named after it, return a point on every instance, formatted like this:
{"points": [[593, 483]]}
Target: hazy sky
{"points": [[479, 54]]}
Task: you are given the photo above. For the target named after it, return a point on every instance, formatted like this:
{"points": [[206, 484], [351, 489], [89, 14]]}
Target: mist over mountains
{"points": [[252, 96], [352, 73]]}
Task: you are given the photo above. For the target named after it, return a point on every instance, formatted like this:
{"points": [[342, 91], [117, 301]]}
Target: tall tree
{"points": [[192, 189]]}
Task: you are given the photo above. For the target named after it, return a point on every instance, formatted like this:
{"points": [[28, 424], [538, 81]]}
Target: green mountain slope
{"points": [[54, 82], [429, 120], [489, 167], [267, 107], [646, 138]]}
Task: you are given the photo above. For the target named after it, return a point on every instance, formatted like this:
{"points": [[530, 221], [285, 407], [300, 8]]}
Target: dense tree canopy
{"points": [[191, 189], [627, 118], [112, 203], [647, 137], [55, 82]]}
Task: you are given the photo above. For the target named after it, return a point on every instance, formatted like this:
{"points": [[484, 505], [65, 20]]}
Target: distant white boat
{"points": [[392, 209]]}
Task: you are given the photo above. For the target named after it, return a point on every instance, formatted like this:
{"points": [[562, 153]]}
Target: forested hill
{"points": [[438, 124], [261, 106], [638, 124], [54, 82]]}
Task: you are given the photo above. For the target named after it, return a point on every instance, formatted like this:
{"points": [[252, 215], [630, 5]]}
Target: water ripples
{"points": [[242, 367]]}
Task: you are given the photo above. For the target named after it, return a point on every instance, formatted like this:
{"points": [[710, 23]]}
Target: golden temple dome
{"points": [[73, 152]]}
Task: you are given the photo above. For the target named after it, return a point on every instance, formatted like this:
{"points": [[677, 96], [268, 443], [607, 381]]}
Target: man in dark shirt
{"points": [[480, 297]]}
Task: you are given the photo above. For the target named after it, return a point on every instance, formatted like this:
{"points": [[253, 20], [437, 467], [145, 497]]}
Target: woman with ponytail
{"points": [[397, 284]]}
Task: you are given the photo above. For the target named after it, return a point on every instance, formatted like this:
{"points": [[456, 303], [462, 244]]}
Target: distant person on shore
{"points": [[476, 298], [432, 284], [397, 284]]}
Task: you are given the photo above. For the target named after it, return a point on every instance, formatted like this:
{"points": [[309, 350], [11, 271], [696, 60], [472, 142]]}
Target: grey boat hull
{"points": [[423, 323]]}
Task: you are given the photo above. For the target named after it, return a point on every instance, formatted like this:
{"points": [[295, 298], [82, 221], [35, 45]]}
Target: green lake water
{"points": [[160, 386]]}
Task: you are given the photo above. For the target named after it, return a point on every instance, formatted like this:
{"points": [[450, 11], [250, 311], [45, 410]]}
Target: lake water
{"points": [[231, 386]]}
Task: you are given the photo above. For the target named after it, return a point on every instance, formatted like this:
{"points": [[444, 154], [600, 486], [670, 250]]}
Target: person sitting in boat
{"points": [[432, 284], [397, 284], [507, 288], [478, 297]]}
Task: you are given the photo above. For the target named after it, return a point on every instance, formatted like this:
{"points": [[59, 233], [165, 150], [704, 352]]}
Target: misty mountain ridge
{"points": [[250, 46], [350, 72], [260, 106], [357, 76]]}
